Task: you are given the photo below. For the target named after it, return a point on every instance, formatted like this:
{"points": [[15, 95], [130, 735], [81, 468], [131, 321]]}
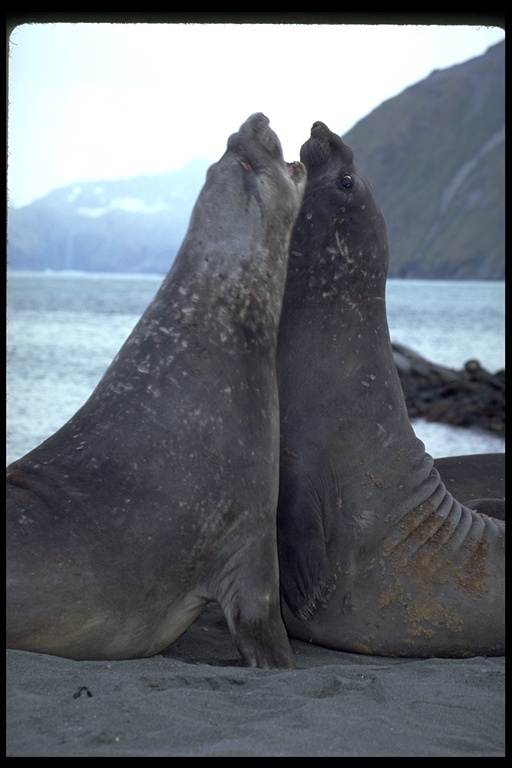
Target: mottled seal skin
{"points": [[160, 494], [478, 479], [376, 556]]}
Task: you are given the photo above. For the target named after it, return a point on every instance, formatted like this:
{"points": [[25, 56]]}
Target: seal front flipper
{"points": [[255, 622], [307, 541]]}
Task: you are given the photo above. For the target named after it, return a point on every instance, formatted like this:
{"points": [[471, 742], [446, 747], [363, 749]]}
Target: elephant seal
{"points": [[478, 479], [160, 493], [375, 554]]}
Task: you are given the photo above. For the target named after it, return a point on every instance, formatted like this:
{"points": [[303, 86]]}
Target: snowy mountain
{"points": [[434, 156], [134, 225]]}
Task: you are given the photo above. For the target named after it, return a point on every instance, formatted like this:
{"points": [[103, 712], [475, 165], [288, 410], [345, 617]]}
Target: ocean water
{"points": [[64, 329]]}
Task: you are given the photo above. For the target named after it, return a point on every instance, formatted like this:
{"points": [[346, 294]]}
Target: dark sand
{"points": [[197, 700]]}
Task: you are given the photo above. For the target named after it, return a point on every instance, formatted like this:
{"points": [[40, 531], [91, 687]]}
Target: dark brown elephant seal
{"points": [[376, 556], [478, 479], [160, 494]]}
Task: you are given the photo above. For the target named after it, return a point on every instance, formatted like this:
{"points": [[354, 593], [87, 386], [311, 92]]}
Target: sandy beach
{"points": [[197, 699]]}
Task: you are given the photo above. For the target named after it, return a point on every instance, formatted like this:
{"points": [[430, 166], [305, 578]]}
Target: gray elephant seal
{"points": [[376, 556], [160, 494]]}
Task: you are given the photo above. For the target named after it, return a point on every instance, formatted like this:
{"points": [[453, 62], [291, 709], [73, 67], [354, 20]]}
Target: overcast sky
{"points": [[103, 101]]}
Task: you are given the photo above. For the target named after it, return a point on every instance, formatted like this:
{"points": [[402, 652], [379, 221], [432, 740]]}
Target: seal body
{"points": [[477, 479], [160, 494], [376, 555]]}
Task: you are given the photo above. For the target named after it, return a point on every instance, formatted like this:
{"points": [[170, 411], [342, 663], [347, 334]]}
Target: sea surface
{"points": [[63, 330]]}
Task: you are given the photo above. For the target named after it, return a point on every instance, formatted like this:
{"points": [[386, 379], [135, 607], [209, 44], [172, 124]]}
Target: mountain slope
{"points": [[134, 225], [434, 156]]}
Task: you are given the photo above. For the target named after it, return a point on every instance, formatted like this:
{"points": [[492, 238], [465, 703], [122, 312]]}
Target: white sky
{"points": [[103, 101]]}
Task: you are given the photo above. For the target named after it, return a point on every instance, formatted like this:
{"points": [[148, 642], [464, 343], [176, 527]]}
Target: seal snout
{"points": [[319, 126], [267, 137], [257, 128], [322, 143], [258, 124], [258, 117], [315, 152]]}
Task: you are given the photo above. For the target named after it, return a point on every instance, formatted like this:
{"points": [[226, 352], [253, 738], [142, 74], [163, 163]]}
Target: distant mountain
{"points": [[134, 225], [434, 156]]}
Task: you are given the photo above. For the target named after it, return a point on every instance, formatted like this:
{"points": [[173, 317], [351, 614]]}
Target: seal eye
{"points": [[346, 181], [245, 165]]}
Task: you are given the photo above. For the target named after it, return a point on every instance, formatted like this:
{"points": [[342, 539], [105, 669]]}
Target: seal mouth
{"points": [[296, 170]]}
